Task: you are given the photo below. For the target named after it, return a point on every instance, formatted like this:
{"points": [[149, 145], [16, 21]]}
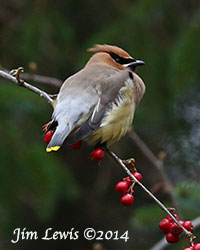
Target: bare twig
{"points": [[26, 85], [157, 163], [145, 149], [51, 81], [162, 244], [160, 204], [46, 80]]}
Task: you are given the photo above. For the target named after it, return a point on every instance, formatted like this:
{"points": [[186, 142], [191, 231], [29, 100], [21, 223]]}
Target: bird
{"points": [[97, 104]]}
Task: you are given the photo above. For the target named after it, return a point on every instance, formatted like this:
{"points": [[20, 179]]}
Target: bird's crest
{"points": [[109, 49]]}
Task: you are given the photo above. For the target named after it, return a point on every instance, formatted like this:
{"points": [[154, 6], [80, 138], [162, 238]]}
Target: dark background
{"points": [[65, 190]]}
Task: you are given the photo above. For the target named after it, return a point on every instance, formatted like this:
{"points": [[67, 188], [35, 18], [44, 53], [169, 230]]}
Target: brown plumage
{"points": [[108, 49], [98, 102]]}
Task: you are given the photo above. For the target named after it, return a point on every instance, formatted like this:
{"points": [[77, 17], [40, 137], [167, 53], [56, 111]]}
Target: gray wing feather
{"points": [[59, 136], [110, 90], [72, 105]]}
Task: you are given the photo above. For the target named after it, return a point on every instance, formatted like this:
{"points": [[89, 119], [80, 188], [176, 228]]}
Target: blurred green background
{"points": [[65, 190]]}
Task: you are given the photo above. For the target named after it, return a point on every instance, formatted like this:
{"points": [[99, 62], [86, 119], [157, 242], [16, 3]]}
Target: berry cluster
{"points": [[194, 247], [48, 135], [126, 186], [97, 154], [172, 230]]}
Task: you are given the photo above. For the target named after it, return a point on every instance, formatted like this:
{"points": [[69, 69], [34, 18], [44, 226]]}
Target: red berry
{"points": [[76, 145], [127, 199], [196, 246], [98, 154], [164, 225], [188, 248], [181, 222], [188, 225], [48, 136], [128, 180], [170, 219], [138, 176], [121, 187], [172, 238], [175, 229]]}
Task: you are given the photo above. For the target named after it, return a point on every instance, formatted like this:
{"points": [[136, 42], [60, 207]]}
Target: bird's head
{"points": [[113, 56]]}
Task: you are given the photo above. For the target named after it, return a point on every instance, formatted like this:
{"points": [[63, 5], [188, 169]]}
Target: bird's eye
{"points": [[115, 57], [121, 60]]}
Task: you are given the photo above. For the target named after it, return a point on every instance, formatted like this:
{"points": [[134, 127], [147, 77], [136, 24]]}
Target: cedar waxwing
{"points": [[98, 102]]}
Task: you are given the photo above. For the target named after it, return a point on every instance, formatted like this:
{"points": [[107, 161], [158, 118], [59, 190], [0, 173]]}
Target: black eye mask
{"points": [[121, 60]]}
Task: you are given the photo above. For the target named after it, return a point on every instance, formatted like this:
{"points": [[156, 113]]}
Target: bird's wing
{"points": [[109, 89], [85, 94], [75, 101]]}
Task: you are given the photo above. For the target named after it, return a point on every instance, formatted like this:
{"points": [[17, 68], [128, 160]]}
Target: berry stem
{"points": [[160, 204], [130, 190]]}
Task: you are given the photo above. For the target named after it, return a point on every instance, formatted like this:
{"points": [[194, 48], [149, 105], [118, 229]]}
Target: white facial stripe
{"points": [[127, 64]]}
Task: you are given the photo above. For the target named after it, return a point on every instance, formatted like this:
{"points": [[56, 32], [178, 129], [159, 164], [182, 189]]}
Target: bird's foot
{"points": [[16, 73], [46, 126], [130, 162]]}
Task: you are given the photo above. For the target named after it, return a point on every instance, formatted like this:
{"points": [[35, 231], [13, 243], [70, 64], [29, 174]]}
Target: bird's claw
{"points": [[46, 126], [16, 73]]}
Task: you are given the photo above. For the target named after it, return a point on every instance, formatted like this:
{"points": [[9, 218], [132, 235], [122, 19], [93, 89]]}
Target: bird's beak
{"points": [[134, 64]]}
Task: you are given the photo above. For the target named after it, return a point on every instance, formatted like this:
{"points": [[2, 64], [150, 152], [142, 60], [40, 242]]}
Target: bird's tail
{"points": [[58, 138]]}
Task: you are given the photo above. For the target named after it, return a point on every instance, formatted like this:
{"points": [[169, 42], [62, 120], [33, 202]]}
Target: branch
{"points": [[145, 149], [162, 244], [26, 85], [158, 164], [52, 81], [160, 204], [46, 80]]}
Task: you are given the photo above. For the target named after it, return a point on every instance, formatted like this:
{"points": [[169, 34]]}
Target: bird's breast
{"points": [[118, 116]]}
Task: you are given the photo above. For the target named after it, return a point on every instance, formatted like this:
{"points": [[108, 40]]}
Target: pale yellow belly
{"points": [[114, 125], [118, 117]]}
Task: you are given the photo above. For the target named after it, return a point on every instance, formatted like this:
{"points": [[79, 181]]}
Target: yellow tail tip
{"points": [[52, 149]]}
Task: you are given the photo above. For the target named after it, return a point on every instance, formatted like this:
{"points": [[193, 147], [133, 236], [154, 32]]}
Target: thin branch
{"points": [[160, 204], [158, 164], [145, 149], [26, 85], [46, 80], [52, 81], [162, 244]]}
